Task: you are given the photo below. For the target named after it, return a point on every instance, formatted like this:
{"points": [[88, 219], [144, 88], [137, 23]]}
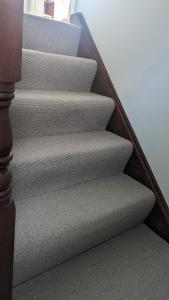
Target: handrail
{"points": [[11, 12], [137, 166]]}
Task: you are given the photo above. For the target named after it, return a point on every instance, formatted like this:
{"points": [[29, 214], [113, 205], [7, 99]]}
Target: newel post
{"points": [[11, 12]]}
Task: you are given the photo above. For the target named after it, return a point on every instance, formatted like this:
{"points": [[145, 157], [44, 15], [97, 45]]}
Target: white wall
{"points": [[133, 39]]}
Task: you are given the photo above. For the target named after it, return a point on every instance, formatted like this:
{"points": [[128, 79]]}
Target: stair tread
{"points": [[52, 162], [65, 144], [134, 265], [58, 112], [66, 36], [54, 227], [47, 71]]}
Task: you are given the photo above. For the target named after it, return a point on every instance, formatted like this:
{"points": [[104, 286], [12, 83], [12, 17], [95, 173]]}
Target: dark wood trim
{"points": [[137, 166], [7, 228], [11, 12], [10, 40], [7, 208]]}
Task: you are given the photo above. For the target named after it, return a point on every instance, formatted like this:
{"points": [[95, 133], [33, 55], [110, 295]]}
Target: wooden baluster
{"points": [[7, 209], [11, 12], [6, 95]]}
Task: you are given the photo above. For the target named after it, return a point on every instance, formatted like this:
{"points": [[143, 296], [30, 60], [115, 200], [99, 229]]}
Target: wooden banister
{"points": [[137, 166], [11, 12]]}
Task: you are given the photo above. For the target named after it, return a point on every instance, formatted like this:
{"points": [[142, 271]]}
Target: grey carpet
{"points": [[134, 265], [50, 36], [42, 113], [45, 164], [67, 199], [47, 71], [54, 227]]}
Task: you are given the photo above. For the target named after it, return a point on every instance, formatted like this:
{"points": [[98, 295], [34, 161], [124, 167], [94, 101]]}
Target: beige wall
{"points": [[132, 37]]}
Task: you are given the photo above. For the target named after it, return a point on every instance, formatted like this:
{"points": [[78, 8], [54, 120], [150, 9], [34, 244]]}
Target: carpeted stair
{"points": [[132, 266], [79, 219]]}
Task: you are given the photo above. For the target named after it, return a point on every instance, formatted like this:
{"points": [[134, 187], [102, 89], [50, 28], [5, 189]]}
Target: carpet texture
{"points": [[47, 71], [45, 164], [43, 113], [54, 227], [134, 265], [50, 36], [68, 184]]}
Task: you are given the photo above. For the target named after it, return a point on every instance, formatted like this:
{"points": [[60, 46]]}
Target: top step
{"points": [[50, 36]]}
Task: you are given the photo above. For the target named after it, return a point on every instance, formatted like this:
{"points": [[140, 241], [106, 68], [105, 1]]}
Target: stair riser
{"points": [[44, 71], [131, 266], [33, 178], [65, 114], [53, 228], [76, 242], [50, 36]]}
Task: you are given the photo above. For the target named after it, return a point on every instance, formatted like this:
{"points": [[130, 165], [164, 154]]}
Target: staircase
{"points": [[80, 231]]}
